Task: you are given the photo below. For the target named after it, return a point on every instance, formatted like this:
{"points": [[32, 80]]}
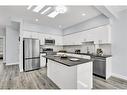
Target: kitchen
{"points": [[75, 54]]}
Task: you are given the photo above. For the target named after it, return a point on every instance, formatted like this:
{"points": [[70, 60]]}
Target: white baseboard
{"points": [[119, 76], [17, 63]]}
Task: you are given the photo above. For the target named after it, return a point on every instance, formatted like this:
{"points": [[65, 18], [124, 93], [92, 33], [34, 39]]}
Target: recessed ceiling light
{"points": [[60, 26], [83, 14], [46, 10], [36, 20], [38, 8]]}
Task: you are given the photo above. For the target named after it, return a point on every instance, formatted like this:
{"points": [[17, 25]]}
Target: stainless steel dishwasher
{"points": [[99, 66]]}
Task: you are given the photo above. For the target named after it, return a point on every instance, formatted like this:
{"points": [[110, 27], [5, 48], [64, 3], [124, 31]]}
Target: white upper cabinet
{"points": [[35, 35], [27, 34], [98, 35], [58, 39]]}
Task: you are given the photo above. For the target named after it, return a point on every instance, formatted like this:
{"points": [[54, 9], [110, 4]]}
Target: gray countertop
{"points": [[67, 61], [92, 55]]}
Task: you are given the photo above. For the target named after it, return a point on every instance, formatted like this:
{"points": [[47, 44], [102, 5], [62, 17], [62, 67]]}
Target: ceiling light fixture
{"points": [[46, 10], [58, 10], [83, 14], [38, 8], [29, 7]]}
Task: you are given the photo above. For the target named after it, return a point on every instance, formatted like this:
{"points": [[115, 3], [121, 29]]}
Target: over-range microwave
{"points": [[49, 42]]}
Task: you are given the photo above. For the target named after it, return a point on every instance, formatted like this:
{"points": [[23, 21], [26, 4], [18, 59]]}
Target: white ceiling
{"points": [[71, 17]]}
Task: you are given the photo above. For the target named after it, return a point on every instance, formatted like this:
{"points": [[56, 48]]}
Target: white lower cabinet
{"points": [[74, 77], [85, 76], [42, 60], [108, 67]]}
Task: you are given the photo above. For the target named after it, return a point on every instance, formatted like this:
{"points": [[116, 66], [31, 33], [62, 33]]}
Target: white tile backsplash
{"points": [[71, 48], [92, 48], [55, 48]]}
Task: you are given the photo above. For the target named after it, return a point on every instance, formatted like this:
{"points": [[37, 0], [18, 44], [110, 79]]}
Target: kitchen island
{"points": [[68, 74]]}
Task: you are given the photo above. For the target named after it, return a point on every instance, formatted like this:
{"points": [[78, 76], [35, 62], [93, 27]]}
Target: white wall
{"points": [[119, 45], [95, 22], [12, 44]]}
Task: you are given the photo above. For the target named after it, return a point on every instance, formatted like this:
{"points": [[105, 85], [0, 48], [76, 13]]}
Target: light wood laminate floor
{"points": [[11, 78]]}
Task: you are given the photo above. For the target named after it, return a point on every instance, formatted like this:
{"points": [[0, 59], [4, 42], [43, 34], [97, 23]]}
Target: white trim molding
{"points": [[119, 76]]}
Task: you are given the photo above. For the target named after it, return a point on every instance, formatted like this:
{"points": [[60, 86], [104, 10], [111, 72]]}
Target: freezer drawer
{"points": [[31, 64]]}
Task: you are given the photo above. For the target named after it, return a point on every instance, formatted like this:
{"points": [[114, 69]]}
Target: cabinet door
{"points": [[41, 38], [58, 40], [85, 76], [42, 60], [27, 34], [35, 35], [68, 40]]}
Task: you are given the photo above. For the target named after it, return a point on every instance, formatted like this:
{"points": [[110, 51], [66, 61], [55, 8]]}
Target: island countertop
{"points": [[67, 61]]}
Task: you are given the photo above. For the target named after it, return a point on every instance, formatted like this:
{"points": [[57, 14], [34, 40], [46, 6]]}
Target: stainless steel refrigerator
{"points": [[31, 54]]}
